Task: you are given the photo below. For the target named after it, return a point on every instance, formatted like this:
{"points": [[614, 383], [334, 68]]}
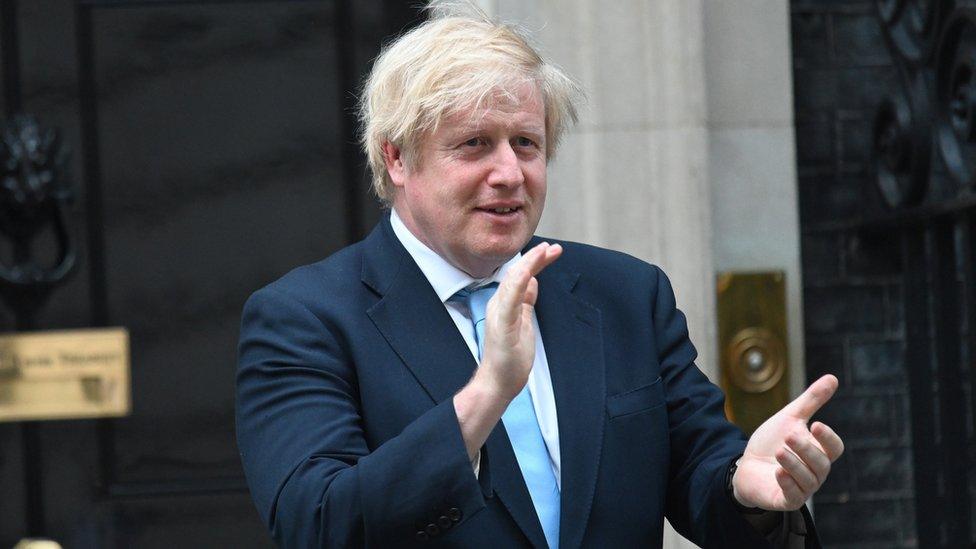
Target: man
{"points": [[391, 396]]}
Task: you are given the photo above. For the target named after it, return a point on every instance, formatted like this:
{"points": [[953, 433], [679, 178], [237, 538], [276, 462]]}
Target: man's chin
{"points": [[503, 251], [487, 260]]}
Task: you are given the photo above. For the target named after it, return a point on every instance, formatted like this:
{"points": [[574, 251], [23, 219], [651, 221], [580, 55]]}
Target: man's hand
{"points": [[509, 349], [784, 462]]}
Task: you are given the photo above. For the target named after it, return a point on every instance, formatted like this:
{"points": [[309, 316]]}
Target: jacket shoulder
{"points": [[590, 260], [337, 275]]}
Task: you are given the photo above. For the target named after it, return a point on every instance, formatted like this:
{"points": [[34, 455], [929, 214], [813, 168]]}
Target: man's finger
{"points": [[537, 258], [830, 441], [813, 398], [512, 291], [792, 494], [550, 253], [531, 292], [807, 449], [804, 477]]}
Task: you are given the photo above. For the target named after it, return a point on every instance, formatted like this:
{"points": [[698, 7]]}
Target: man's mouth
{"points": [[501, 211], [504, 208]]}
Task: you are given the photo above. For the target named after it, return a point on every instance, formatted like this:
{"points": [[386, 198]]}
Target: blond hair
{"points": [[452, 62]]}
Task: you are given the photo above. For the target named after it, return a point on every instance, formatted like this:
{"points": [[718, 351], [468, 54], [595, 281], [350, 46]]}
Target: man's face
{"points": [[477, 192]]}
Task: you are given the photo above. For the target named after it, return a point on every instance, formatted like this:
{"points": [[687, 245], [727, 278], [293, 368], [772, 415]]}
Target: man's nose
{"points": [[507, 170]]}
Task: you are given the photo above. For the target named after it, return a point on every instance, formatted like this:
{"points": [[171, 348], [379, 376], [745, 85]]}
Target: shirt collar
{"points": [[446, 279]]}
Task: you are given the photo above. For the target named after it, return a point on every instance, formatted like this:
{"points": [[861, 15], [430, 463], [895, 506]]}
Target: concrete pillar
{"points": [[752, 152]]}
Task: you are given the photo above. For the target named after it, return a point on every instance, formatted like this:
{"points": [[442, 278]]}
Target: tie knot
{"points": [[476, 299]]}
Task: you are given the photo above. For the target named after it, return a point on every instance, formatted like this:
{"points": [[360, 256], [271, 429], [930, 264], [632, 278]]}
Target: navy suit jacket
{"points": [[349, 437]]}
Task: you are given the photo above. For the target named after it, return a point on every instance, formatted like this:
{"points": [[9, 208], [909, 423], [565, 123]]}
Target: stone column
{"points": [[752, 152]]}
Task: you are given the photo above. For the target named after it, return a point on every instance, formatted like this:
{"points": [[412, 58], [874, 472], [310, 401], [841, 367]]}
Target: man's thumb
{"points": [[816, 395]]}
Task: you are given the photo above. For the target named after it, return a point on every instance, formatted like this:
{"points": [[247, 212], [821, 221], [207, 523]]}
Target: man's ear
{"points": [[393, 159]]}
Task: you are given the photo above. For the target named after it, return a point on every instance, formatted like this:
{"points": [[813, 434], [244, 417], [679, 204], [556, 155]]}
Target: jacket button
{"points": [[432, 530], [444, 522], [422, 536], [454, 514]]}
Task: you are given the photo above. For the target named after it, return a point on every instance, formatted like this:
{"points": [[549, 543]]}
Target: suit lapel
{"points": [[571, 332], [415, 323], [442, 365], [412, 318]]}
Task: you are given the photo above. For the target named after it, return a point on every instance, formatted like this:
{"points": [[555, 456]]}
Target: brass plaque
{"points": [[752, 342], [71, 374]]}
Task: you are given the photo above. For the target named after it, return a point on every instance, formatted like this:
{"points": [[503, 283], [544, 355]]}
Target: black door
{"points": [[212, 150]]}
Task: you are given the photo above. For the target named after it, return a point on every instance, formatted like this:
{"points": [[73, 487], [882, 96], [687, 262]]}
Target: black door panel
{"points": [[211, 153]]}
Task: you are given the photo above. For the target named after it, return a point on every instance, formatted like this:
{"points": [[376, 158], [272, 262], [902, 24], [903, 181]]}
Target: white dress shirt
{"points": [[446, 279]]}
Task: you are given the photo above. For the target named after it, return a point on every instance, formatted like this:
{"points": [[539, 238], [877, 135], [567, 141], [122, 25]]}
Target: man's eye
{"points": [[474, 142], [524, 142]]}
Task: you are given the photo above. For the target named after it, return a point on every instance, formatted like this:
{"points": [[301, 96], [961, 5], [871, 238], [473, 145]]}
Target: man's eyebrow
{"points": [[528, 125], [478, 126]]}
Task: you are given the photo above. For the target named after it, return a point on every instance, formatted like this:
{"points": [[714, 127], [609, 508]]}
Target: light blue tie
{"points": [[523, 430]]}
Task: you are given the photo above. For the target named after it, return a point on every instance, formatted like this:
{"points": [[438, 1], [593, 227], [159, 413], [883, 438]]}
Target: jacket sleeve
{"points": [[703, 443], [315, 481]]}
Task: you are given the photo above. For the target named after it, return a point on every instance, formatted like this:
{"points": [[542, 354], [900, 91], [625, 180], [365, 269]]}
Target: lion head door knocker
{"points": [[34, 197]]}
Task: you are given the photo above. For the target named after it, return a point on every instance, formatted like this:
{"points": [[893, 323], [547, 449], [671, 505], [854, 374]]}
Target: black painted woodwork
{"points": [[214, 150], [889, 275]]}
